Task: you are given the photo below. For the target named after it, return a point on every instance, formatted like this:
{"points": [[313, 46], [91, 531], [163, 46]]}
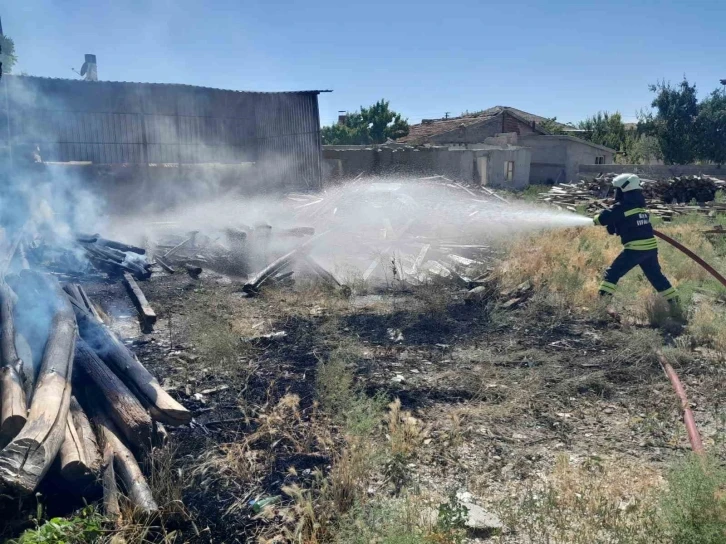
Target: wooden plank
{"points": [[146, 312]]}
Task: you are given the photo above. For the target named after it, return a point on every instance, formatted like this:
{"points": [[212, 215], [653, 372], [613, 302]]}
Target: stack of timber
{"points": [[70, 390], [665, 198]]}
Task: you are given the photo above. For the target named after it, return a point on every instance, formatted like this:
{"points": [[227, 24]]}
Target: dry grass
{"points": [[567, 265], [583, 503]]}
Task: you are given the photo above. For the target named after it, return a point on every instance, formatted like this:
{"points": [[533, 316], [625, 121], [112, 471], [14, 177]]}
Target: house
{"points": [[554, 157], [498, 165]]}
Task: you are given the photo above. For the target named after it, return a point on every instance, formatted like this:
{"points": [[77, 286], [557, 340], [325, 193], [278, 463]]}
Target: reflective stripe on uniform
{"points": [[608, 287], [642, 245], [634, 211], [669, 294], [596, 219]]}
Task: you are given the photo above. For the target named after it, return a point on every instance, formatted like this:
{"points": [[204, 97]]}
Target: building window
{"points": [[508, 170], [600, 160]]}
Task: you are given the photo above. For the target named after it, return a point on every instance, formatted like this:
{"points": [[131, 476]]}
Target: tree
{"points": [[710, 128], [643, 149], [373, 125], [7, 54], [551, 125], [673, 124], [607, 129]]}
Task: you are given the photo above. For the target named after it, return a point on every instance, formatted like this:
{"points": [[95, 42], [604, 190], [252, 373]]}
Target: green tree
{"points": [[710, 128], [643, 149], [551, 125], [373, 125], [7, 57], [607, 129], [674, 122]]}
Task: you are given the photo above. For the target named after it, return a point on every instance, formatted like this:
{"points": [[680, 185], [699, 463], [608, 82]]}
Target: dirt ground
{"points": [[499, 395]]}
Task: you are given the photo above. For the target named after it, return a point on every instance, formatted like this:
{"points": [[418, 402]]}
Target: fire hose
{"points": [[710, 269], [690, 421]]}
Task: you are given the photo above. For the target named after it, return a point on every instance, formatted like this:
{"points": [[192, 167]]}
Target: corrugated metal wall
{"points": [[141, 123]]}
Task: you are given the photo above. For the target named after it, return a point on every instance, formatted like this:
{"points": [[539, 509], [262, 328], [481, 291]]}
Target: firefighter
{"points": [[629, 219]]}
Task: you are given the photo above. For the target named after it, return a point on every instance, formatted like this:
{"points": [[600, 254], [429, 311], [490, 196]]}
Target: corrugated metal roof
{"points": [[84, 82]]}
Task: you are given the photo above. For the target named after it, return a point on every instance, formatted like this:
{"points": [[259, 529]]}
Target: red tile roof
{"points": [[433, 127]]}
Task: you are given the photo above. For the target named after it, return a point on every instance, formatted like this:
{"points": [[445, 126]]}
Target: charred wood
{"points": [[110, 488], [87, 436], [27, 458], [13, 409], [146, 312], [164, 265], [124, 463], [193, 270], [117, 400], [127, 367], [113, 244]]}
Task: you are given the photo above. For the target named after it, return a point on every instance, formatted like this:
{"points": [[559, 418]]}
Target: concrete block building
{"points": [[554, 158]]}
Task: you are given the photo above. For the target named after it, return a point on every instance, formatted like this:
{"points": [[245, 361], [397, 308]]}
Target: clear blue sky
{"points": [[550, 57]]}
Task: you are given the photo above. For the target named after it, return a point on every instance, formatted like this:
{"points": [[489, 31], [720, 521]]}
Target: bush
{"points": [[694, 507], [86, 526]]}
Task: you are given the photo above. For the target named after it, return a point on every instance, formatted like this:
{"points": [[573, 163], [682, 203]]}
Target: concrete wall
{"points": [[581, 153], [655, 170], [558, 158], [496, 167], [456, 164]]}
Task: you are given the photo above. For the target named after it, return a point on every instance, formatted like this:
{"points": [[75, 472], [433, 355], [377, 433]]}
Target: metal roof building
{"points": [[120, 123]]}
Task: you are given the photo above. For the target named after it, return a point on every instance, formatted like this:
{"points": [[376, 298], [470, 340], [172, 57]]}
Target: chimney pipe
{"points": [[89, 70]]}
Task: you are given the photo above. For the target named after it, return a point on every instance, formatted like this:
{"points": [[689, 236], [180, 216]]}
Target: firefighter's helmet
{"points": [[626, 182]]}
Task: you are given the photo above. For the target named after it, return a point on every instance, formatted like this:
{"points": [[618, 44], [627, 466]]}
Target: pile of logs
{"points": [[115, 258], [683, 189], [662, 196], [71, 390]]}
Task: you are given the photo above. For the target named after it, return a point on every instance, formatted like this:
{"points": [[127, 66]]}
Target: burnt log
{"points": [[27, 458], [117, 400], [127, 367], [89, 304], [193, 270], [88, 437], [178, 247], [161, 435], [114, 261], [87, 238], [326, 275], [13, 408], [74, 466], [110, 489], [72, 290], [113, 244], [146, 312], [164, 264], [125, 464], [255, 282], [77, 292]]}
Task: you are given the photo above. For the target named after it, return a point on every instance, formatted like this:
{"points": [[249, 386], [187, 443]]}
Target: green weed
{"points": [[694, 507], [86, 526]]}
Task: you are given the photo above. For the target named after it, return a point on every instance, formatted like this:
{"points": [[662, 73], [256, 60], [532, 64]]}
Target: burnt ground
{"points": [[501, 393]]}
